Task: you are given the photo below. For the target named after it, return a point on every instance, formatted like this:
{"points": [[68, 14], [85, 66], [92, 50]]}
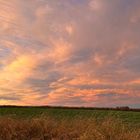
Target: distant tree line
{"points": [[121, 108]]}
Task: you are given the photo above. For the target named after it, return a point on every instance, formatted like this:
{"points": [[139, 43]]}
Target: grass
{"points": [[46, 128], [127, 116], [68, 124]]}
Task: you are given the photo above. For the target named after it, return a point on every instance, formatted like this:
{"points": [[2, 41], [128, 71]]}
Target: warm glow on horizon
{"points": [[70, 52]]}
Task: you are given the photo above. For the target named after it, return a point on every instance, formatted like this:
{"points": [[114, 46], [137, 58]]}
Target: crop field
{"points": [[132, 117], [38, 123]]}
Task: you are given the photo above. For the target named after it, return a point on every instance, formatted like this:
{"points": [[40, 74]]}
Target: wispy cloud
{"points": [[70, 52]]}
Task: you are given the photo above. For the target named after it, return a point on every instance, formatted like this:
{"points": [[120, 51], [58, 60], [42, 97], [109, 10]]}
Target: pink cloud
{"points": [[80, 53]]}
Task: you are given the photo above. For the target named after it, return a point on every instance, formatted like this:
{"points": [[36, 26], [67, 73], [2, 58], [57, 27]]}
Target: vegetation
{"points": [[39, 123], [70, 113], [46, 128]]}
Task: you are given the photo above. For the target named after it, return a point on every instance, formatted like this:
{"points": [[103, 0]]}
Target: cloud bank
{"points": [[70, 52]]}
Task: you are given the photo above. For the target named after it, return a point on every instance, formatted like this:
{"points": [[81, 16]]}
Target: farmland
{"points": [[42, 123], [69, 113]]}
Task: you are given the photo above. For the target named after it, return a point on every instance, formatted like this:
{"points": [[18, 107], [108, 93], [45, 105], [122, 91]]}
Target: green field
{"points": [[61, 113]]}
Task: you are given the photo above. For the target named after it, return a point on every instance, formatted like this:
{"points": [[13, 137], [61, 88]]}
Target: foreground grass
{"points": [[48, 128]]}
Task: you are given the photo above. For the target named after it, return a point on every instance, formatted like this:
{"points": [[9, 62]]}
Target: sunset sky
{"points": [[70, 52]]}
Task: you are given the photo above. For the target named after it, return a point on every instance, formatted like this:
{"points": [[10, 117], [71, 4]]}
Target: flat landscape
{"points": [[58, 123], [132, 117], [69, 69]]}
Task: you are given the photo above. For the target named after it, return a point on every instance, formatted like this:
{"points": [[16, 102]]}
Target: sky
{"points": [[70, 52]]}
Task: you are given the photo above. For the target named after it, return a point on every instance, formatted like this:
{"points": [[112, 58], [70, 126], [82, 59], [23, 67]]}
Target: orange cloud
{"points": [[60, 51], [19, 69], [80, 53]]}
